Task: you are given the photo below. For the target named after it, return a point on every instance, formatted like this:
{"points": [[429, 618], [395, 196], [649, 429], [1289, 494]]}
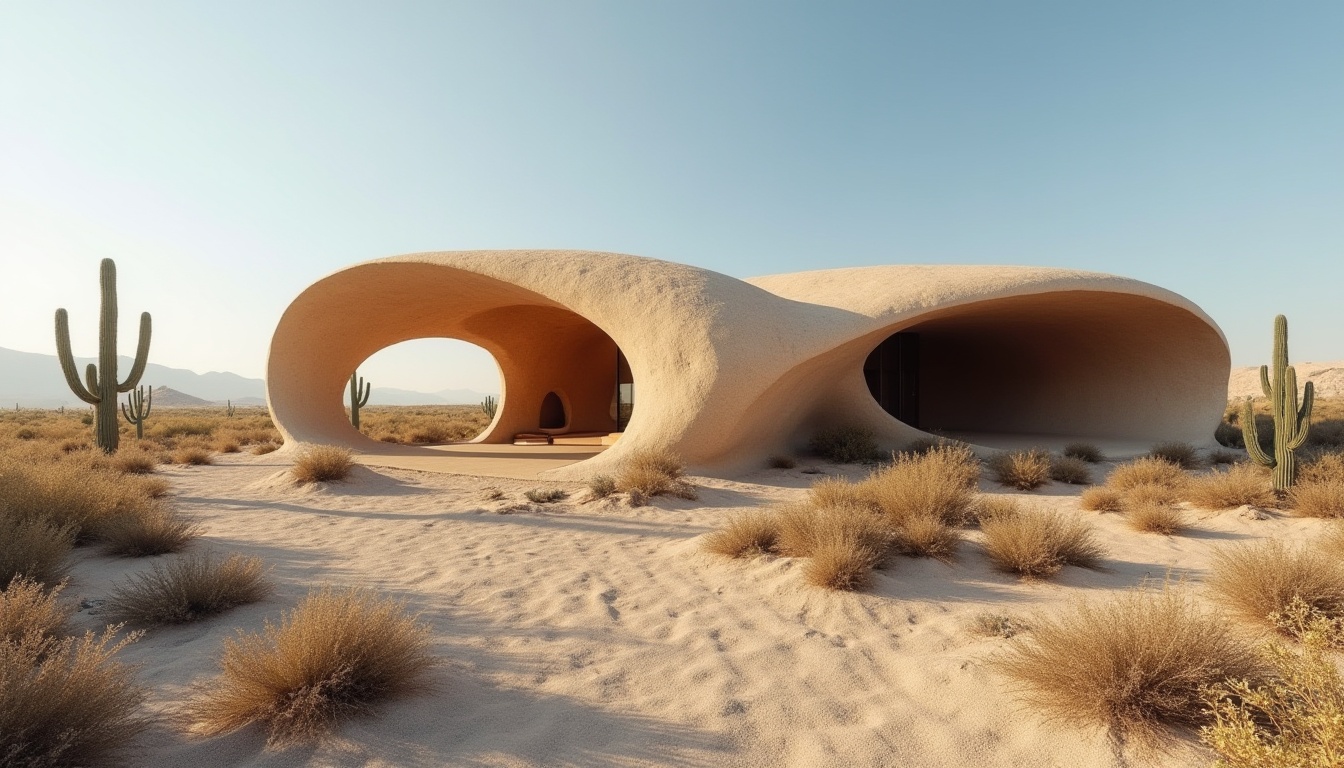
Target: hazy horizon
{"points": [[227, 156]]}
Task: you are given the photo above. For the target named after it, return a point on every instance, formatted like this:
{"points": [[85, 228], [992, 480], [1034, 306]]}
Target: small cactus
{"points": [[140, 400], [103, 386], [229, 408], [1291, 422], [359, 397], [489, 406]]}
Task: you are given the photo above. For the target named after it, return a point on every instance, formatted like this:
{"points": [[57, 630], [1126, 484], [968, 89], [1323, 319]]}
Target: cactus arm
{"points": [[1302, 423], [141, 356], [1264, 382], [126, 414], [149, 401], [1252, 438], [368, 390], [68, 360], [91, 376]]}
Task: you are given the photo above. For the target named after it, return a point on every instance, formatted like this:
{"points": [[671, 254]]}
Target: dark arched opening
{"points": [[552, 412], [892, 373]]}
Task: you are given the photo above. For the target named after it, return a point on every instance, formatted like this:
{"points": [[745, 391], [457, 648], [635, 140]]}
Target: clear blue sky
{"points": [[229, 154]]}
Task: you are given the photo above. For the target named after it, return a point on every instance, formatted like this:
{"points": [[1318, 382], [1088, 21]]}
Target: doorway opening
{"points": [[892, 373]]}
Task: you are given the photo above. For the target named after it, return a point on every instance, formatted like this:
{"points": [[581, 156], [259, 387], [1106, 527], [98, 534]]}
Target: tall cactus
{"points": [[359, 396], [1291, 423], [101, 379], [489, 405], [229, 408], [140, 403]]}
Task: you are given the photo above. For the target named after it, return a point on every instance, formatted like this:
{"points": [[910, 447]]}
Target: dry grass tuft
{"points": [[336, 655], [846, 445], [1066, 469], [26, 607], [1149, 517], [802, 528], [33, 548], [135, 461], [988, 508], [601, 486], [1182, 455], [1238, 485], [154, 531], [1102, 499], [1132, 664], [926, 536], [1039, 543], [1151, 494], [939, 483], [1085, 452], [1221, 457], [1147, 471], [191, 455], [66, 702], [781, 462], [261, 449], [746, 534], [1323, 468], [546, 495], [188, 589], [1261, 580], [998, 625], [322, 464], [842, 560], [655, 473], [1317, 498], [836, 491], [1023, 470]]}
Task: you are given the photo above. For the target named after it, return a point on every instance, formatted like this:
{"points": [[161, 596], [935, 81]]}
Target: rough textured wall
{"points": [[728, 371]]}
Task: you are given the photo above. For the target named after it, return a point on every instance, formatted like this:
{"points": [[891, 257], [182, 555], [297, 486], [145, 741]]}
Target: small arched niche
{"points": [[554, 417]]}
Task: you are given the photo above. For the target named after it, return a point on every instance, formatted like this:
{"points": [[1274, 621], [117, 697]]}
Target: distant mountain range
{"points": [[33, 380]]}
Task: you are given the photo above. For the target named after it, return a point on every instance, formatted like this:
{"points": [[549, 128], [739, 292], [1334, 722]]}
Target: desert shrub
{"points": [[1238, 485], [925, 536], [337, 654], [842, 560], [938, 483], [1146, 471], [1023, 470], [1084, 452], [1149, 494], [66, 702], [1000, 625], [546, 495], [781, 462], [26, 433], [322, 464], [837, 491], [191, 455], [745, 534], [1229, 435], [153, 531], [654, 473], [1262, 579], [33, 548], [804, 527], [1221, 457], [73, 491], [1293, 719], [261, 449], [491, 493], [181, 426], [1322, 468], [135, 461], [188, 589], [1039, 543], [601, 486], [1131, 664], [1182, 455], [1316, 498], [1149, 517], [846, 445], [1066, 469], [225, 445], [1102, 499], [26, 607], [988, 508]]}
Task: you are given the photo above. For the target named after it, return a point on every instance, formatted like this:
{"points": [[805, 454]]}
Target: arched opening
{"points": [[428, 391], [553, 416], [1065, 363]]}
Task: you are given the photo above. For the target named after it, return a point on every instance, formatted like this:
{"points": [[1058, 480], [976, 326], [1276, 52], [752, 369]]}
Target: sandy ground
{"points": [[597, 634], [1328, 379]]}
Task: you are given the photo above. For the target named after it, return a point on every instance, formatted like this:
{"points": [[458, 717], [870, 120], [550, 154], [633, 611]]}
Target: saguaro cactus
{"points": [[103, 387], [140, 403], [229, 408], [489, 405], [1291, 423], [359, 396]]}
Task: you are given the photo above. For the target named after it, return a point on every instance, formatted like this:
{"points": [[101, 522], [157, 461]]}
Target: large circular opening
{"points": [[1067, 363], [425, 392]]}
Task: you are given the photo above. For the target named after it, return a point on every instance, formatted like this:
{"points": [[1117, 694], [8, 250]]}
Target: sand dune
{"points": [[1327, 378], [598, 635]]}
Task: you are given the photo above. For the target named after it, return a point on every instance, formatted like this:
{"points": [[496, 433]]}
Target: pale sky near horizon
{"points": [[229, 154]]}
